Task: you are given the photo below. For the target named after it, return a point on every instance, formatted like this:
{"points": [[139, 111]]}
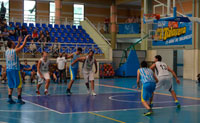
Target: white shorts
{"points": [[45, 75], [88, 76], [165, 82]]}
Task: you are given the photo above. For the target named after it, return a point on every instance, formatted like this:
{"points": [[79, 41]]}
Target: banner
{"points": [[173, 33], [129, 28]]}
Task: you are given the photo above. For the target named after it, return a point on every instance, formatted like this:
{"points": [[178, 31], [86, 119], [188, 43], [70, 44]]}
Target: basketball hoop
{"points": [[152, 16]]}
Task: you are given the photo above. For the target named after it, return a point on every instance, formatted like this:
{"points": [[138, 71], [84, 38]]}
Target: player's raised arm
{"points": [[19, 41], [138, 79], [78, 59], [174, 74], [22, 46], [153, 66], [70, 56], [95, 63]]}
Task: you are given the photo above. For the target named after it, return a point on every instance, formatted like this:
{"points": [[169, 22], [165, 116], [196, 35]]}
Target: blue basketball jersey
{"points": [[73, 59], [12, 60], [146, 75]]}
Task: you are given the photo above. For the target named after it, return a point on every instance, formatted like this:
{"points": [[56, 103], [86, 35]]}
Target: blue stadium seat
{"points": [[13, 24], [44, 25], [66, 40], [80, 27], [56, 26], [24, 24], [50, 25], [59, 39], [73, 27], [59, 34], [18, 23], [56, 34], [52, 34], [52, 39], [37, 25], [66, 34], [63, 29], [69, 40], [52, 30], [62, 34], [68, 26], [62, 26], [62, 39], [31, 25], [75, 40]]}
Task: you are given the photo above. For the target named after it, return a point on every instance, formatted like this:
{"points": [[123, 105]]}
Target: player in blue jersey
{"points": [[13, 70], [148, 79], [73, 69]]}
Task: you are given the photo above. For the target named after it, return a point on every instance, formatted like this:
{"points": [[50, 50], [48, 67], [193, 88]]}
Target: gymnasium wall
{"points": [[16, 9]]}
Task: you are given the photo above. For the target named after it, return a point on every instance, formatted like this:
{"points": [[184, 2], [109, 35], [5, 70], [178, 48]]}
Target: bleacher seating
{"points": [[70, 36]]}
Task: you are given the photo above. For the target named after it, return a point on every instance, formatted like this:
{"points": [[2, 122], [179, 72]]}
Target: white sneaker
{"points": [[93, 93], [88, 91]]}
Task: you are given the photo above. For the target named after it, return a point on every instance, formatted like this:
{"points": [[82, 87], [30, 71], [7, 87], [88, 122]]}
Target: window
{"points": [[29, 11], [78, 13], [6, 5], [52, 13]]}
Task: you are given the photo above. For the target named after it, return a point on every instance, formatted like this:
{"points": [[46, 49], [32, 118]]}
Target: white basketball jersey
{"points": [[162, 69], [44, 67]]}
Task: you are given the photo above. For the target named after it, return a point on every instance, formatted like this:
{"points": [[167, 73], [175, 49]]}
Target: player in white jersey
{"points": [[43, 73], [88, 74], [165, 80]]}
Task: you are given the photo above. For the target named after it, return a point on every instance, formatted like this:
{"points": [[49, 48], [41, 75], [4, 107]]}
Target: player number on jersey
{"points": [[164, 67]]}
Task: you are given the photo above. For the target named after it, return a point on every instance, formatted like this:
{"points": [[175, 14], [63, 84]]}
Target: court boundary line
{"points": [[130, 109], [41, 106], [111, 86], [106, 117]]}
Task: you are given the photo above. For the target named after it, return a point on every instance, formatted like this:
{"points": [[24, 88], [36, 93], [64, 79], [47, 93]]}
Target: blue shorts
{"points": [[147, 90], [14, 79], [27, 73], [73, 73]]}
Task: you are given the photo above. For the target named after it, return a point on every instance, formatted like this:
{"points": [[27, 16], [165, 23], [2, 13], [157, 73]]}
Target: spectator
{"points": [[24, 31], [3, 75], [61, 65], [129, 20], [106, 22], [33, 48], [41, 33], [27, 69], [17, 31], [5, 35], [35, 35], [11, 30], [55, 48], [48, 37], [34, 71], [42, 41], [55, 76], [3, 11]]}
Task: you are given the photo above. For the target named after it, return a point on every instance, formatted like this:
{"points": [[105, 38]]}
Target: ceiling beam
{"points": [[119, 2]]}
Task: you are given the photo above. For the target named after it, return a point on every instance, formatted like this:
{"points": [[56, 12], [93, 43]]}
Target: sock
{"points": [[10, 96], [19, 97], [45, 90], [68, 89], [87, 85], [176, 101]]}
